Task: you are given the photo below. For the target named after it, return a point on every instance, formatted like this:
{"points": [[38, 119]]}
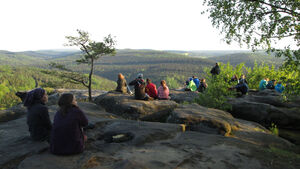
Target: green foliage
{"points": [[175, 81], [274, 129], [259, 23], [215, 96], [217, 92], [23, 78]]}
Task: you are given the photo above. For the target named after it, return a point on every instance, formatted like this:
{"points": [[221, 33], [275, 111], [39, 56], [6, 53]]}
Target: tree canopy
{"points": [[259, 23]]}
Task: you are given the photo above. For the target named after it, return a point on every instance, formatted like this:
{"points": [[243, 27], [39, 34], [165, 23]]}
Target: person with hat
{"points": [[139, 88], [38, 120]]}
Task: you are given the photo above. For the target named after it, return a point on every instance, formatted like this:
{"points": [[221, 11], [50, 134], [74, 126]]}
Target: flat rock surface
{"points": [[155, 145], [126, 106]]}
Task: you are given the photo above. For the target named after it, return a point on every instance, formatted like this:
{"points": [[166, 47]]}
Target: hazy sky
{"points": [[137, 24]]}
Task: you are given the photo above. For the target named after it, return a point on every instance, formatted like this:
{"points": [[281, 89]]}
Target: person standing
{"points": [[67, 135], [38, 120], [215, 70]]}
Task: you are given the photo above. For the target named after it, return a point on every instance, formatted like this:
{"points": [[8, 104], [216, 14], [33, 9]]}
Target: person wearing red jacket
{"points": [[151, 89]]}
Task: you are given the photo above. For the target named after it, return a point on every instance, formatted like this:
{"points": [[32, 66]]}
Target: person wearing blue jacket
{"points": [[196, 81], [279, 87], [263, 84]]}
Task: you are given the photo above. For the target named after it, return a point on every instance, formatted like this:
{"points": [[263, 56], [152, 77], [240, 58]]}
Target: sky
{"points": [[136, 24]]}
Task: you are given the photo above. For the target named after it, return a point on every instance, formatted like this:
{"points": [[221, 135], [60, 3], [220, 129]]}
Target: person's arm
{"points": [[132, 83], [44, 114]]}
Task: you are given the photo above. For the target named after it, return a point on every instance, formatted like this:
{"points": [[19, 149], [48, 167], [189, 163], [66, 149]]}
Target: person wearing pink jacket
{"points": [[163, 91]]}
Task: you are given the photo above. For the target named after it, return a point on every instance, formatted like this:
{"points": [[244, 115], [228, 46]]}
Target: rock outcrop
{"points": [[194, 137], [125, 144], [12, 113], [126, 106], [266, 107], [181, 96]]}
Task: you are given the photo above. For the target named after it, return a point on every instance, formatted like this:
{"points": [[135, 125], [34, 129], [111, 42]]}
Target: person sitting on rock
{"points": [[243, 79], [279, 87], [190, 85], [151, 89], [242, 87], [122, 85], [139, 88], [263, 84], [203, 85], [196, 81], [271, 84], [38, 119], [163, 91], [215, 70], [67, 135]]}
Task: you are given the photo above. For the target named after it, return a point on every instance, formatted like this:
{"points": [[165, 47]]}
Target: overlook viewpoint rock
{"points": [[135, 134]]}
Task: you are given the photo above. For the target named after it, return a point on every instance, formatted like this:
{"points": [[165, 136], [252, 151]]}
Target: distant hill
{"points": [[249, 59]]}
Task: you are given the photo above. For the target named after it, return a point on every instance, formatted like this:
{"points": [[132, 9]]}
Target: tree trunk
{"points": [[90, 79]]}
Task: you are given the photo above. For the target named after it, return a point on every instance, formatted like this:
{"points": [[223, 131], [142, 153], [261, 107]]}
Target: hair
{"points": [[279, 82], [148, 80], [203, 80], [120, 76], [65, 102], [163, 84]]}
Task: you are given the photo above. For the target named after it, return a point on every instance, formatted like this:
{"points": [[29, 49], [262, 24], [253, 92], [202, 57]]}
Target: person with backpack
{"points": [[242, 86], [279, 87], [163, 91], [67, 135], [203, 85], [263, 84], [151, 89], [190, 85], [38, 120], [196, 81], [215, 70], [139, 88]]}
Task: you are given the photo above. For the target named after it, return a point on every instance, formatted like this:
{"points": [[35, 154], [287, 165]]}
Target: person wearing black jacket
{"points": [[38, 119], [139, 88], [215, 70]]}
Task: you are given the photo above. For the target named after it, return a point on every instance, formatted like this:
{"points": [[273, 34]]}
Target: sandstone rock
{"points": [[181, 96], [12, 113], [160, 146], [126, 106], [207, 120], [264, 113]]}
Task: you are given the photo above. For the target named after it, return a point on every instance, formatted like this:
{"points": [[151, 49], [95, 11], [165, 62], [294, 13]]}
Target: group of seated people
{"points": [[65, 135], [271, 84], [143, 90], [194, 84]]}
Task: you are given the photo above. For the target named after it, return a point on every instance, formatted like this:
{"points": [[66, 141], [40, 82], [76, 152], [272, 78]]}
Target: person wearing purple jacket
{"points": [[67, 136]]}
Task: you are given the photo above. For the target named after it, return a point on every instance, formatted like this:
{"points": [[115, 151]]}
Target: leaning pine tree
{"points": [[92, 51]]}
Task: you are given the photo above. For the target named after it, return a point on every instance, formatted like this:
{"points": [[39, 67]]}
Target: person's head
{"points": [[35, 95], [243, 76], [120, 76], [203, 80], [163, 84], [140, 76], [148, 81], [193, 77], [217, 64], [279, 82], [66, 101]]}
